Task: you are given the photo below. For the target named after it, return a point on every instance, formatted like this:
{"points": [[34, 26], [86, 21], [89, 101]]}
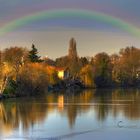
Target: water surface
{"points": [[90, 114]]}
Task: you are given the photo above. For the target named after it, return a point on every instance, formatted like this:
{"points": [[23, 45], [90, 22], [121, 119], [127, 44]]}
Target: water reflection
{"points": [[23, 114]]}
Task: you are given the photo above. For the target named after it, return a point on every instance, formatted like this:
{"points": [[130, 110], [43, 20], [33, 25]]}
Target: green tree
{"points": [[33, 54]]}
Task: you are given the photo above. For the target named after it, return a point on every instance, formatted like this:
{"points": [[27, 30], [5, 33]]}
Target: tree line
{"points": [[104, 70], [25, 72]]}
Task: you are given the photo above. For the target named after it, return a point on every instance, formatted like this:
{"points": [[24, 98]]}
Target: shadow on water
{"points": [[27, 112]]}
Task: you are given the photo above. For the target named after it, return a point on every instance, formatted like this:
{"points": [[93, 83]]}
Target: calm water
{"points": [[92, 114]]}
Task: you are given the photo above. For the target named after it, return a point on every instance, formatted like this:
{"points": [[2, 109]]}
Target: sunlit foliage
{"points": [[87, 75]]}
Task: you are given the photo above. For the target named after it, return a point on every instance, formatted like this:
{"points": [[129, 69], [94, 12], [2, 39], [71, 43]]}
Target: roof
{"points": [[56, 68], [59, 68]]}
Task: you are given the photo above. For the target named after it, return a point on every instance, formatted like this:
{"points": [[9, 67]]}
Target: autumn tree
{"points": [[12, 60], [33, 78], [15, 57], [103, 70], [87, 75], [129, 65], [115, 61]]}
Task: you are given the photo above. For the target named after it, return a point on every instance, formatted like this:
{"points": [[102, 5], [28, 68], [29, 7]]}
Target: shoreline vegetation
{"points": [[24, 73]]}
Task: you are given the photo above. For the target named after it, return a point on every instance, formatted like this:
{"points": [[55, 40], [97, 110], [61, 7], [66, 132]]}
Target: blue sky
{"points": [[52, 37]]}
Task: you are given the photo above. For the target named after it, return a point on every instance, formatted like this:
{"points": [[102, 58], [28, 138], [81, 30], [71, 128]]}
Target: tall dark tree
{"points": [[74, 64], [33, 54], [72, 49], [70, 61]]}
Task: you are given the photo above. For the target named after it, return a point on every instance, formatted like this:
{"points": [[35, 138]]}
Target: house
{"points": [[63, 73]]}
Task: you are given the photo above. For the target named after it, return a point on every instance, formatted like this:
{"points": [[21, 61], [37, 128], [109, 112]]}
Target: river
{"points": [[90, 114]]}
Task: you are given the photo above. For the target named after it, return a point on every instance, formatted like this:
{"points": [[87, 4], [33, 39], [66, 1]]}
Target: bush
{"points": [[32, 79], [10, 87]]}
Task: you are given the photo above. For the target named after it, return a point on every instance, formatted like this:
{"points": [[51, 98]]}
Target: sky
{"points": [[97, 25]]}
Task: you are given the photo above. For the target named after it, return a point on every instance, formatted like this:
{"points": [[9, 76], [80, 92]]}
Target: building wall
{"points": [[61, 74]]}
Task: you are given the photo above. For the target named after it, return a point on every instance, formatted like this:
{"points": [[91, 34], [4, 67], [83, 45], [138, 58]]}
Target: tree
{"points": [[84, 61], [72, 54], [70, 61], [103, 70], [15, 57], [33, 78], [12, 60], [33, 54], [87, 75], [129, 65], [73, 59], [115, 61]]}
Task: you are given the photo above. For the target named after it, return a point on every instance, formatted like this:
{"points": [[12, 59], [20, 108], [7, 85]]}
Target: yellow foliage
{"points": [[7, 68], [39, 72], [34, 71], [87, 75]]}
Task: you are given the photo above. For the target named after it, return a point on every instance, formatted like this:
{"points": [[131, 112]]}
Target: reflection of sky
{"points": [[56, 125], [126, 10]]}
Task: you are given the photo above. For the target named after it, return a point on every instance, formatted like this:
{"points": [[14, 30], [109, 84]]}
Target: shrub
{"points": [[32, 79]]}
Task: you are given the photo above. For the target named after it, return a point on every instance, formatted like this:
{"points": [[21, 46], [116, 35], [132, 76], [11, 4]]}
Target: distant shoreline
{"points": [[67, 91]]}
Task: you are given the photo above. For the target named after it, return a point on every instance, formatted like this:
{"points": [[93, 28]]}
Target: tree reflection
{"points": [[30, 111], [14, 112]]}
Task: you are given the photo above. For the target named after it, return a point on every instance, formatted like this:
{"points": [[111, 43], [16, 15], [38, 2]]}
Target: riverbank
{"points": [[66, 86], [4, 96]]}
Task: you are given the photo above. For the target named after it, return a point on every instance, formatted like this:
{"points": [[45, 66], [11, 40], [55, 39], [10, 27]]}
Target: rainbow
{"points": [[66, 13]]}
